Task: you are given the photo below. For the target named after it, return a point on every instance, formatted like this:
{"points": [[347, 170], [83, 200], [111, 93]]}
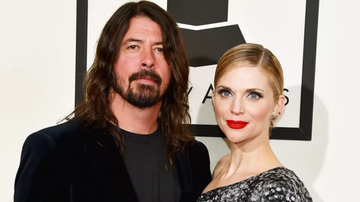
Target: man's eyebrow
{"points": [[132, 40], [158, 43], [141, 41]]}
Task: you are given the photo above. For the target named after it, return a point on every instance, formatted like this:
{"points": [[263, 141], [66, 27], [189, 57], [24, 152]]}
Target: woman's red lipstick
{"points": [[236, 124]]}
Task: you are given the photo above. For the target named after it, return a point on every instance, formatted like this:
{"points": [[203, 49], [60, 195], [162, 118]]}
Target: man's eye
{"points": [[133, 47], [160, 50]]}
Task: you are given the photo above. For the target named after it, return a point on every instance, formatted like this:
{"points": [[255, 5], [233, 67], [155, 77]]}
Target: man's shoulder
{"points": [[53, 141], [56, 134], [198, 149], [198, 145], [62, 130]]}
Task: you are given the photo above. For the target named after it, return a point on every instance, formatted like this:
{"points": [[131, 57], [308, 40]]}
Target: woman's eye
{"points": [[255, 96], [224, 93]]}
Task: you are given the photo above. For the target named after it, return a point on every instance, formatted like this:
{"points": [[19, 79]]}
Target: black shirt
{"points": [[144, 157]]}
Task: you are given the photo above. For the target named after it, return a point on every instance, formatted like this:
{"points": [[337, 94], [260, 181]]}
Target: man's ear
{"points": [[279, 105]]}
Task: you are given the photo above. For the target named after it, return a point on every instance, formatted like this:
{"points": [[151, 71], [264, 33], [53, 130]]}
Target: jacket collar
{"points": [[105, 155]]}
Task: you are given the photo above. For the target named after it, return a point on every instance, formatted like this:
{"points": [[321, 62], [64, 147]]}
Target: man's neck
{"points": [[135, 119]]}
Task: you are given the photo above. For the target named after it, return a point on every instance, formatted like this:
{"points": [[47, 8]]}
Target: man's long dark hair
{"points": [[174, 115]]}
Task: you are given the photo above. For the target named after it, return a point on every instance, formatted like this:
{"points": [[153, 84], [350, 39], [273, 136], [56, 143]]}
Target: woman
{"points": [[247, 101]]}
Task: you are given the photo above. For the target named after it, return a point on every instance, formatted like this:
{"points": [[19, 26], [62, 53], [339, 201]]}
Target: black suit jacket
{"points": [[67, 163]]}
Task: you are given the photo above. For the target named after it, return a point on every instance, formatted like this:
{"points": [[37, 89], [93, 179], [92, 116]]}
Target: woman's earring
{"points": [[272, 117]]}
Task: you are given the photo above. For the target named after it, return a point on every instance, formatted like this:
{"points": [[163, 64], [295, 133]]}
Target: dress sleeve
{"points": [[283, 191], [35, 175]]}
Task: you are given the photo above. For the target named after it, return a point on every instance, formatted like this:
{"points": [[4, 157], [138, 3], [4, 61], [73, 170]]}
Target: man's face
{"points": [[142, 73]]}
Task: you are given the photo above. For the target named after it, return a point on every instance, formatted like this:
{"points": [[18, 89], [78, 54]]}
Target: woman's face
{"points": [[243, 102]]}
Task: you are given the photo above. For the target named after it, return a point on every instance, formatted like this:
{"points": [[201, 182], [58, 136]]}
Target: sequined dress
{"points": [[276, 185]]}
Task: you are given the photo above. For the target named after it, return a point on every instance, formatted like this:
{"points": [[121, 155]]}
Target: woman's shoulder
{"points": [[280, 183], [280, 175], [221, 164]]}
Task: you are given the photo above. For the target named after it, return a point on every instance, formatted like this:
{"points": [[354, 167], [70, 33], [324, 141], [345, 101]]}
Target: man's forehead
{"points": [[143, 25]]}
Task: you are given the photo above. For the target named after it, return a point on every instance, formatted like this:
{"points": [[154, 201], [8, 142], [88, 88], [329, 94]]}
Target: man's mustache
{"points": [[146, 74]]}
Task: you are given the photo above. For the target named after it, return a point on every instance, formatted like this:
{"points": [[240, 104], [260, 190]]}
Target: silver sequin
{"points": [[278, 184]]}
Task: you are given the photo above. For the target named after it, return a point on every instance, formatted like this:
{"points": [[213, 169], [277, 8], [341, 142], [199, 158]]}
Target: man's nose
{"points": [[147, 58]]}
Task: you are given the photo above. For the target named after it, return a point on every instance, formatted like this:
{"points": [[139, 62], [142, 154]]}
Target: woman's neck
{"points": [[251, 157]]}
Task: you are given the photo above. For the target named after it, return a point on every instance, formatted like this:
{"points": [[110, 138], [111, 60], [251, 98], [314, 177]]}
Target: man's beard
{"points": [[142, 95]]}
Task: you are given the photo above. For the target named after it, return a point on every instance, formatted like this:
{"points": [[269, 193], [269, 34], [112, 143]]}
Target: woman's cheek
{"points": [[259, 112]]}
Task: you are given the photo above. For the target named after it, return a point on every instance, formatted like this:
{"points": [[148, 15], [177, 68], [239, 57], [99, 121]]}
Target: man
{"points": [[129, 139]]}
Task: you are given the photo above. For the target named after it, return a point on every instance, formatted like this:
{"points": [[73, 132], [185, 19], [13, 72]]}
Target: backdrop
{"points": [[210, 28], [37, 85]]}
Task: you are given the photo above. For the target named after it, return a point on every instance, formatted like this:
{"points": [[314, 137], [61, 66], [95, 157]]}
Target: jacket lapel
{"points": [[106, 157], [185, 178]]}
